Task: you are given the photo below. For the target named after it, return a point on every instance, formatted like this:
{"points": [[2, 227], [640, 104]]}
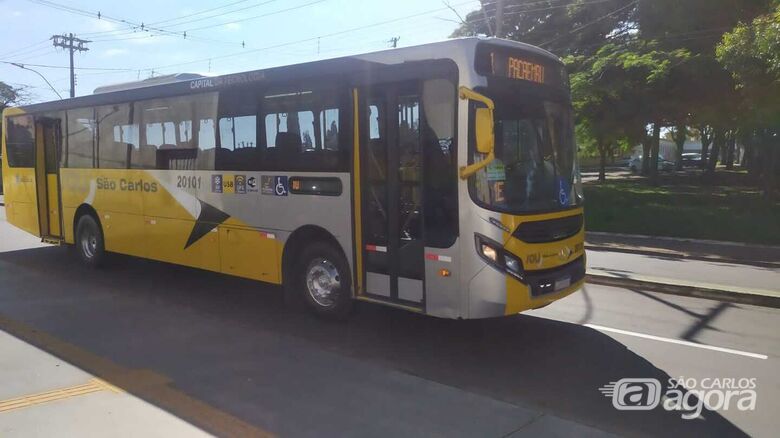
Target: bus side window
{"points": [[440, 174], [177, 133], [20, 142], [81, 138], [303, 130], [116, 140], [237, 129]]}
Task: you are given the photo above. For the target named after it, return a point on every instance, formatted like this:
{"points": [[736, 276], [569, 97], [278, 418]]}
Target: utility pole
{"points": [[499, 18], [73, 44], [394, 41]]}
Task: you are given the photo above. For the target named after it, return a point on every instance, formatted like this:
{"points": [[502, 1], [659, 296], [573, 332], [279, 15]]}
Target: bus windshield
{"points": [[535, 167]]}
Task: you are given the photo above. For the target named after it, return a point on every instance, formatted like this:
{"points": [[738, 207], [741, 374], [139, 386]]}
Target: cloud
{"points": [[233, 26], [114, 52], [104, 26], [17, 13]]}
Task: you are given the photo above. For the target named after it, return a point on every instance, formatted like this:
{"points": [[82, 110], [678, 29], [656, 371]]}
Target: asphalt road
{"points": [[224, 354]]}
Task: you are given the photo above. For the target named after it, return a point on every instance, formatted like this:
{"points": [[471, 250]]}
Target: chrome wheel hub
{"points": [[323, 282], [89, 243]]}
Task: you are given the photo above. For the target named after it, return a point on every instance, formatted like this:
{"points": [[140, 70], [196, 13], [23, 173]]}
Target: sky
{"points": [[223, 36]]}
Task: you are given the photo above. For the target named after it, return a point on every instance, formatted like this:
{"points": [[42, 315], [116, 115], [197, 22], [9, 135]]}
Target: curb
{"points": [[684, 239], [744, 297], [674, 254]]}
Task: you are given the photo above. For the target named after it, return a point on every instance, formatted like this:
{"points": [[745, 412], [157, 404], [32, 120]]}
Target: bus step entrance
{"points": [[52, 240]]}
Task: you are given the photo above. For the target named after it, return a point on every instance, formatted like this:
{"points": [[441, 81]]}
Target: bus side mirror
{"points": [[483, 131], [485, 136]]}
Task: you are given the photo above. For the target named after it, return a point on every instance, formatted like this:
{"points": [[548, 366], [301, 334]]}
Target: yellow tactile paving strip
{"points": [[94, 385]]}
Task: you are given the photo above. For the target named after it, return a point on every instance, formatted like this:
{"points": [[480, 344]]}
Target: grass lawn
{"points": [[683, 206]]}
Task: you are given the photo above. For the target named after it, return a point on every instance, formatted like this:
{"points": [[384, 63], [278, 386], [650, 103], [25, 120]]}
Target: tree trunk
{"points": [[706, 139], [602, 162], [769, 144], [654, 151], [646, 147], [680, 135], [718, 142], [731, 145], [744, 137]]}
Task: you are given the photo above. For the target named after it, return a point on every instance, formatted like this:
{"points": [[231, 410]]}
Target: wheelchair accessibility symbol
{"points": [[563, 192], [280, 185]]}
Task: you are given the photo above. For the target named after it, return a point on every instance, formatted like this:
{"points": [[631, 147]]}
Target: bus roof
{"points": [[185, 83]]}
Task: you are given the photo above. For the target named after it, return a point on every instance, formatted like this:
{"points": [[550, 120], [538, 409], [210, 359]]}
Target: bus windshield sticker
{"points": [[267, 185], [240, 184], [496, 171], [563, 191], [280, 185], [251, 184], [228, 184], [216, 183], [498, 191]]}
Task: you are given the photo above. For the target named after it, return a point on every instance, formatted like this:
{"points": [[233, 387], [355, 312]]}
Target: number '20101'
{"points": [[188, 182]]}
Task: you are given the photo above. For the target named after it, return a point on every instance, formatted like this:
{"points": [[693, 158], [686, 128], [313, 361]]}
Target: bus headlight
{"points": [[512, 264], [489, 252], [493, 253]]}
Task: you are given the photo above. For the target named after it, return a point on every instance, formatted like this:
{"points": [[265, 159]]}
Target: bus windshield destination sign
{"points": [[517, 68]]}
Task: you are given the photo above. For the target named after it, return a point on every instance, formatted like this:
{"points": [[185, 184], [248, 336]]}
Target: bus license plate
{"points": [[563, 283]]}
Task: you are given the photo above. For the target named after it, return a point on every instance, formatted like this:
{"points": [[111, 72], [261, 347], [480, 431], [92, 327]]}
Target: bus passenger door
{"points": [[391, 192], [48, 141]]}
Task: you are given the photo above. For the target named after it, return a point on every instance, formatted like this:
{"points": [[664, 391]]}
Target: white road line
{"points": [[677, 341]]}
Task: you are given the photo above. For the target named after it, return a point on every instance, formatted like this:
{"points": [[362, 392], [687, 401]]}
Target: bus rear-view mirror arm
{"points": [[484, 131]]}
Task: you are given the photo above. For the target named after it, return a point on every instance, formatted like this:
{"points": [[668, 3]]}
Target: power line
{"points": [[75, 68], [228, 13], [579, 28], [16, 52], [136, 26], [304, 40]]}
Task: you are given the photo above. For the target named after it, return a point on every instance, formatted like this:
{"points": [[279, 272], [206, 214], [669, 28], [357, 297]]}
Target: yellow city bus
{"points": [[441, 178]]}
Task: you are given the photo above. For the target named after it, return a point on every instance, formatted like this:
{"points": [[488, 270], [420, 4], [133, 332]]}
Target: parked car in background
{"points": [[635, 164], [691, 159]]}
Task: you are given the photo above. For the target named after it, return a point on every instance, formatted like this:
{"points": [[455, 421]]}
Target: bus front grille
{"points": [[550, 230]]}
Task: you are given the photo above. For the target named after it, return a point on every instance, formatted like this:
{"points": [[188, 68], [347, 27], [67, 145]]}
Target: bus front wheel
{"points": [[89, 241], [322, 276]]}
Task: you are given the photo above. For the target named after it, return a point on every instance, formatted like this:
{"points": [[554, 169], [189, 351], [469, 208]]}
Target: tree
{"points": [[567, 27], [654, 61], [10, 96], [751, 53]]}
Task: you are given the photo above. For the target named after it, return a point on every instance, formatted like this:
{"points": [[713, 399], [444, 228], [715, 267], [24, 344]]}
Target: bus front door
{"points": [[391, 192], [48, 140]]}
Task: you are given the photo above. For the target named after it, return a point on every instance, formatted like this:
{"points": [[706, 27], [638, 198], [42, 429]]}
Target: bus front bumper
{"points": [[493, 293]]}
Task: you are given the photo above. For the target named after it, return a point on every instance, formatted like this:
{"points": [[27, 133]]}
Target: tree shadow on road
{"points": [[231, 344]]}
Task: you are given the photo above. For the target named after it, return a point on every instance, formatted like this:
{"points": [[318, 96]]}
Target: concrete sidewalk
{"points": [[42, 395], [687, 268], [693, 249]]}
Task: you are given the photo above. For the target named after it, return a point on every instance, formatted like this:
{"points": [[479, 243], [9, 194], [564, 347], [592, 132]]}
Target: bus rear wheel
{"points": [[89, 241], [323, 278]]}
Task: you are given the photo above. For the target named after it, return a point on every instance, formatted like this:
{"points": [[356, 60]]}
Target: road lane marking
{"points": [[677, 341], [94, 385]]}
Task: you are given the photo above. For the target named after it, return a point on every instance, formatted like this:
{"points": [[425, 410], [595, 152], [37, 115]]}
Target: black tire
{"points": [[89, 242], [330, 298]]}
